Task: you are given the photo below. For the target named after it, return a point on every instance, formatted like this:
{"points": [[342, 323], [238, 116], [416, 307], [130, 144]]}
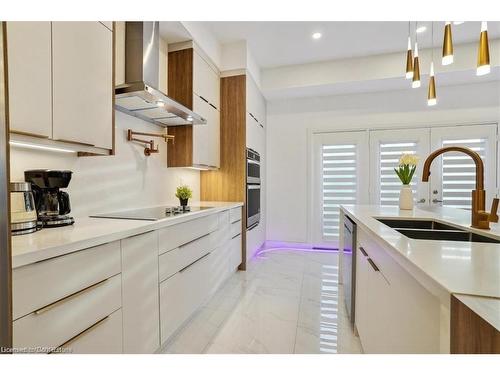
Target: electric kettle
{"points": [[23, 217]]}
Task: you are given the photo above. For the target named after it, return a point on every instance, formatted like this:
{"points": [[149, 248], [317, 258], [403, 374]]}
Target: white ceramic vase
{"points": [[406, 198]]}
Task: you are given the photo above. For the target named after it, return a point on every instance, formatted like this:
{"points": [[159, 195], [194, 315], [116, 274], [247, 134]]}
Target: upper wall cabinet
{"points": [[83, 83], [30, 86], [206, 80], [194, 82], [61, 84], [256, 104]]}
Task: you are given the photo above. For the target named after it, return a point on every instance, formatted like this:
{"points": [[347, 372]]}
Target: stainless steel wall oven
{"points": [[253, 188]]}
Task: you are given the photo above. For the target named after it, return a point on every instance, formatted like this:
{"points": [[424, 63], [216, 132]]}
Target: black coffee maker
{"points": [[52, 204]]}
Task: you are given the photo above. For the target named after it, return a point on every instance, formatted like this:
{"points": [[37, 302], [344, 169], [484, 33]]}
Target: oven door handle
{"points": [[250, 161], [253, 187]]}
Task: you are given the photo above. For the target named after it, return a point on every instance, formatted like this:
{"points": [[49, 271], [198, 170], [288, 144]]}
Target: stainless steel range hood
{"points": [[139, 96]]}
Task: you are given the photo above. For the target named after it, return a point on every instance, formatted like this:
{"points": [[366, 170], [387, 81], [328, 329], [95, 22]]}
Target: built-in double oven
{"points": [[253, 188]]}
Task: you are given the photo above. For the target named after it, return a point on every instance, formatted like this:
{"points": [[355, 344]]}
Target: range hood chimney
{"points": [[139, 96]]}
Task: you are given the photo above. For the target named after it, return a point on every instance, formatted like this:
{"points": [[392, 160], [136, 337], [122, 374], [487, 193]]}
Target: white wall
{"points": [[291, 122], [110, 183]]}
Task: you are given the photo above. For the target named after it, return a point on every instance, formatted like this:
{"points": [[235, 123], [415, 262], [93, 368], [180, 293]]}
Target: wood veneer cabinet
{"points": [[194, 82], [229, 182], [469, 333]]}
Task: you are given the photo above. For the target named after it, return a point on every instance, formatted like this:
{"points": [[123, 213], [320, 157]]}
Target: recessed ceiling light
{"points": [[421, 29], [458, 22], [317, 35]]}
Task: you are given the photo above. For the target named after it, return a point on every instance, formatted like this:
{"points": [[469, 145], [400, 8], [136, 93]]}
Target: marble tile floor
{"points": [[288, 301]]}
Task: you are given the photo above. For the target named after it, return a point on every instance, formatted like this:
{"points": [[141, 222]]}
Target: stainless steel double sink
{"points": [[433, 230]]}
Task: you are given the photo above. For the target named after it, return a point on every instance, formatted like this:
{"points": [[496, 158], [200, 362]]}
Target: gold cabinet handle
{"points": [[68, 298]]}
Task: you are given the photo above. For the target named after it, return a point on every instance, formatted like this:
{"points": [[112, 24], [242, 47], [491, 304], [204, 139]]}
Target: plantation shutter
{"points": [[390, 185], [339, 185], [459, 172]]}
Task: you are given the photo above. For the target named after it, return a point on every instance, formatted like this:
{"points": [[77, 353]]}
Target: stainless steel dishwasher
{"points": [[349, 267]]}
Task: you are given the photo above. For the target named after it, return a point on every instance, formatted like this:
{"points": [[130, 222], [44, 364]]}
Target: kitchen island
{"points": [[404, 286]]}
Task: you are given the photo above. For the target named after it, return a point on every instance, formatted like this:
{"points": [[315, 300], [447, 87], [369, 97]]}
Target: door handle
{"points": [[436, 201], [422, 200]]}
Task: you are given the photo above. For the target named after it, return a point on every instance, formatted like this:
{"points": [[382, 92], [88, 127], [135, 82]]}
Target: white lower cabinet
{"points": [[56, 324], [182, 294], [184, 288], [235, 258], [127, 296], [140, 293], [103, 337], [394, 313]]}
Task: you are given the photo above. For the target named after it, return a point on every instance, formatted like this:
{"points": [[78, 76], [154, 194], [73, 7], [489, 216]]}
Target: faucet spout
{"points": [[479, 217], [473, 154]]}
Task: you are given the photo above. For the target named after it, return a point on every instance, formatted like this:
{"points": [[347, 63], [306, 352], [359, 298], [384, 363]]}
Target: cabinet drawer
{"points": [[40, 284], [175, 260], [235, 229], [180, 234], [104, 337], [182, 294], [224, 219], [219, 266], [235, 214], [55, 324], [235, 253]]}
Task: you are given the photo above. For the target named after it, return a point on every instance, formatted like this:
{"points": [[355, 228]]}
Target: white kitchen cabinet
{"points": [[104, 337], [140, 293], [182, 294], [206, 138], [63, 320], [393, 313], [30, 86], [43, 283], [206, 82], [82, 79], [256, 103]]}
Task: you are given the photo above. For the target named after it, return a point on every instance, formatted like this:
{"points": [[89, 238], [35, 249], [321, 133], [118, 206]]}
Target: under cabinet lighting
{"points": [[317, 35], [39, 147], [421, 29]]}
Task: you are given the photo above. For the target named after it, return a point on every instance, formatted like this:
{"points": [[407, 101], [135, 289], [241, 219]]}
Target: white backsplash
{"points": [[109, 183]]}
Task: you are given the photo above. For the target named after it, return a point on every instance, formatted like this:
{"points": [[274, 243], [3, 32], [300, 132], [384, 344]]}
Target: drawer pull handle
{"points": [[83, 333], [196, 261], [363, 251], [68, 298], [196, 239], [374, 266]]}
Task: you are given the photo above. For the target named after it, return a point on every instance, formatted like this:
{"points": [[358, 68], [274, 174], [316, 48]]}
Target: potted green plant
{"points": [[405, 171], [183, 193]]}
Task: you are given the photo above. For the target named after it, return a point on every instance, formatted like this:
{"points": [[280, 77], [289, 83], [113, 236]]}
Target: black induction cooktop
{"points": [[151, 213]]}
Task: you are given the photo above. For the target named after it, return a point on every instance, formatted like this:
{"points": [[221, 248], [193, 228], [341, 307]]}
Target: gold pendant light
{"points": [[431, 92], [409, 56], [447, 45], [416, 69], [483, 53]]}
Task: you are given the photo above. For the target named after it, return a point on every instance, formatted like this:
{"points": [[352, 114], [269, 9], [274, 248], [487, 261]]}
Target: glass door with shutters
{"points": [[453, 173], [340, 177], [386, 147]]}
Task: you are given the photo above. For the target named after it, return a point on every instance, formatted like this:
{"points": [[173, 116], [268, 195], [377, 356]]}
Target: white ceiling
{"points": [[289, 43]]}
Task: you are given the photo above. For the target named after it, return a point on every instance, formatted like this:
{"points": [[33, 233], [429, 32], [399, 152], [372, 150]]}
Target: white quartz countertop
{"points": [[88, 232], [469, 268]]}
